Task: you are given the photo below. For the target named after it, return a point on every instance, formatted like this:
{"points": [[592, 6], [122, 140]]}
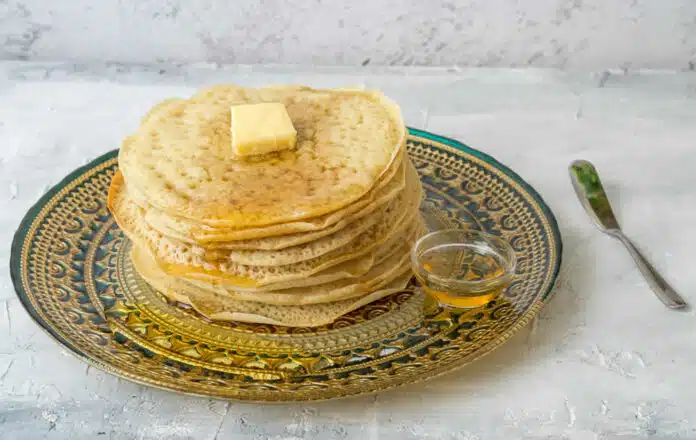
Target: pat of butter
{"points": [[261, 128]]}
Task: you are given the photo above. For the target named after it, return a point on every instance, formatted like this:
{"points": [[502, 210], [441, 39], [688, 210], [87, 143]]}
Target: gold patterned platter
{"points": [[71, 270]]}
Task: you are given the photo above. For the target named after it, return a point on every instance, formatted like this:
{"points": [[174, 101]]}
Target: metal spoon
{"points": [[591, 193]]}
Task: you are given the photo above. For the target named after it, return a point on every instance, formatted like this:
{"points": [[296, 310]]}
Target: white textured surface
{"points": [[589, 34], [606, 361]]}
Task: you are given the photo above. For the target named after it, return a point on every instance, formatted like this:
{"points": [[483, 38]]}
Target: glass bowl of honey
{"points": [[463, 268]]}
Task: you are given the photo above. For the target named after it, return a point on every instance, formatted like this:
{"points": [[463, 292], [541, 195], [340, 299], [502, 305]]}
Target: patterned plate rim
{"points": [[18, 242]]}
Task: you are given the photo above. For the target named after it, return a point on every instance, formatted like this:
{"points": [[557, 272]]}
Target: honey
{"points": [[463, 274]]}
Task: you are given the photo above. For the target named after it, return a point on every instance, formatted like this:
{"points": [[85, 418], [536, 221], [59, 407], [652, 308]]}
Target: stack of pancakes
{"points": [[296, 237]]}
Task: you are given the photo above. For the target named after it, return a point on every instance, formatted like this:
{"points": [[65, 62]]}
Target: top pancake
{"points": [[279, 235], [180, 158]]}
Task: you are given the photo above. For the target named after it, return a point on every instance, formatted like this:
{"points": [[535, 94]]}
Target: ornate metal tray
{"points": [[71, 271]]}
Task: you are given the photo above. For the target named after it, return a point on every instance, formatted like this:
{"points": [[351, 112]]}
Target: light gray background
{"points": [[577, 34], [606, 360]]}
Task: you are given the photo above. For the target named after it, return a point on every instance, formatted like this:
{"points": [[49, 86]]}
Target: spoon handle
{"points": [[659, 285]]}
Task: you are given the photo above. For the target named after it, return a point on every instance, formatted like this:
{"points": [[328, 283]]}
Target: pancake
{"points": [[185, 260], [179, 157], [345, 270], [226, 308], [387, 269], [319, 245], [357, 256], [279, 235]]}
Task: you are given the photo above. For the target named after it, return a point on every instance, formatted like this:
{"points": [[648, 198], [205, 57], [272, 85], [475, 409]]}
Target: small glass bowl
{"points": [[463, 268]]}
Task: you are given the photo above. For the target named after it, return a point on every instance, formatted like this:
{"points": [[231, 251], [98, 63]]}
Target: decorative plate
{"points": [[71, 270]]}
